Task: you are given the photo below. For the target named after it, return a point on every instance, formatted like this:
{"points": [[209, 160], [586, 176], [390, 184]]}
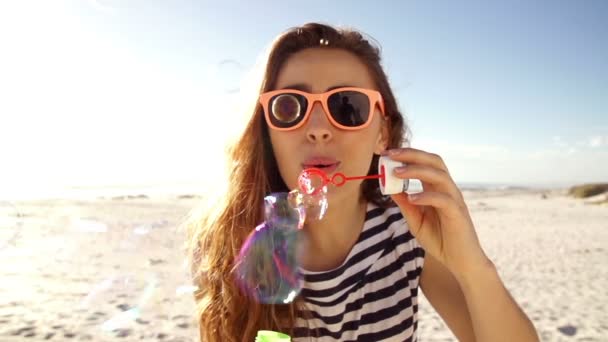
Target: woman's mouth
{"points": [[326, 165]]}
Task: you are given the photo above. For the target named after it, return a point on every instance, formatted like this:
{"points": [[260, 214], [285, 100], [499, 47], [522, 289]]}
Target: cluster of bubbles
{"points": [[267, 267]]}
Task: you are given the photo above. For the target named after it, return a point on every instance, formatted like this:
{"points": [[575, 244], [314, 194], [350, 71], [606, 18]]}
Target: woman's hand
{"points": [[438, 216]]}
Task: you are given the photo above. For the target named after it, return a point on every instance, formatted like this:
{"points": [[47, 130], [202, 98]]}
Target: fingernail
{"points": [[413, 197], [384, 153], [394, 152], [400, 169]]}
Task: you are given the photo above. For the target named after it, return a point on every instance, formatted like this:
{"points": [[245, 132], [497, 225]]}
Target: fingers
{"points": [[438, 179], [414, 205], [423, 173], [447, 205], [412, 155], [427, 167]]}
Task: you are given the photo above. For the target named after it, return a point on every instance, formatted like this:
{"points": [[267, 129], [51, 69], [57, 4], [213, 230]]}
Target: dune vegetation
{"points": [[591, 190], [588, 190]]}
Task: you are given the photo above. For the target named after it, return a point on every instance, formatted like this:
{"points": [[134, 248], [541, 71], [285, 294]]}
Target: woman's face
{"points": [[315, 71]]}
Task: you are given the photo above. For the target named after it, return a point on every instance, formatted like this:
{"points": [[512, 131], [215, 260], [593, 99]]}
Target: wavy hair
{"points": [[216, 234]]}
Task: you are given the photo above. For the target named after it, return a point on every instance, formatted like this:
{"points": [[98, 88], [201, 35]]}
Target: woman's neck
{"points": [[326, 243]]}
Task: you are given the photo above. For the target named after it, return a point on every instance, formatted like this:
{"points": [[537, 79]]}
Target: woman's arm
{"points": [[475, 306], [440, 220], [445, 295], [494, 313]]}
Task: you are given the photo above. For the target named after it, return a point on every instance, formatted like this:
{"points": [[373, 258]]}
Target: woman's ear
{"points": [[383, 138]]}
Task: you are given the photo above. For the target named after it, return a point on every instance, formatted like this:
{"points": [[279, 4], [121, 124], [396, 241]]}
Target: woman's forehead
{"points": [[321, 69]]}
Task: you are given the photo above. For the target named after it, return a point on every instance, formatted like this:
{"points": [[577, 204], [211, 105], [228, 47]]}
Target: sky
{"points": [[125, 92]]}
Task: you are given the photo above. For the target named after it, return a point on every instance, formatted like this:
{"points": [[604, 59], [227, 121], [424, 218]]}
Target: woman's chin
{"points": [[343, 193]]}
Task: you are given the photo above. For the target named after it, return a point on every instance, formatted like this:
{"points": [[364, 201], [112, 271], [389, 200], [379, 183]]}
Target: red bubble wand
{"points": [[338, 179]]}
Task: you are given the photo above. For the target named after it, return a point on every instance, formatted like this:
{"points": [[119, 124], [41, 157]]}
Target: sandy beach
{"points": [[111, 269]]}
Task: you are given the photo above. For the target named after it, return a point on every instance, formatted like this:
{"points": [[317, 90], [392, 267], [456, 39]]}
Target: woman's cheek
{"points": [[288, 173]]}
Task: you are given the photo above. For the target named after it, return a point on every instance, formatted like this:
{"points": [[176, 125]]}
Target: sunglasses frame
{"points": [[374, 97]]}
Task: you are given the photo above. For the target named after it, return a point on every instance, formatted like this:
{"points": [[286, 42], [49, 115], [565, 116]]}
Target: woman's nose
{"points": [[318, 127]]}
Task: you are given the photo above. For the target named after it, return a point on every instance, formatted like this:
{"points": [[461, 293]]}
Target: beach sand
{"points": [[112, 269], [552, 255], [98, 270]]}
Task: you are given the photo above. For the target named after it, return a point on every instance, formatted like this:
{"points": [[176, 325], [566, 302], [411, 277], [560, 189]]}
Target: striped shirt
{"points": [[373, 295]]}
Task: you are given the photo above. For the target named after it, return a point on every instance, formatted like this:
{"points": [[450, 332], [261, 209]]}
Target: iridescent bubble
{"points": [[126, 313], [312, 181], [283, 210], [137, 285], [313, 191], [267, 267], [314, 205], [229, 73], [134, 304]]}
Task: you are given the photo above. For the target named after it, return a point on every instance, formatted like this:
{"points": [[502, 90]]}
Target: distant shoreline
{"points": [[195, 190]]}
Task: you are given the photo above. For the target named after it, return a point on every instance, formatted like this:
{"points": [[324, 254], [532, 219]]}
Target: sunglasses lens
{"points": [[287, 109], [349, 108]]}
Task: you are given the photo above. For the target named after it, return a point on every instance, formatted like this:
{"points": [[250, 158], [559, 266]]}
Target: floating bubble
{"points": [[284, 210], [123, 315], [311, 181], [137, 298], [267, 267], [229, 73], [314, 205], [313, 193]]}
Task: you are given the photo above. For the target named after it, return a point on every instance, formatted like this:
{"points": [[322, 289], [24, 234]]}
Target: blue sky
{"points": [[119, 92]]}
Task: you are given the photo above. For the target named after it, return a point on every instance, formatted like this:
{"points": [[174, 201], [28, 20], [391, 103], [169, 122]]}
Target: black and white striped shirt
{"points": [[373, 295]]}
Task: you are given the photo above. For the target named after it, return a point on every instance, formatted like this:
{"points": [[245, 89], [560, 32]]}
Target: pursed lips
{"points": [[326, 164]]}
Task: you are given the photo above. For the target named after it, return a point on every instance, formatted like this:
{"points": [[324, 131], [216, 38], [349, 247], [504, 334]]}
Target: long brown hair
{"points": [[216, 234]]}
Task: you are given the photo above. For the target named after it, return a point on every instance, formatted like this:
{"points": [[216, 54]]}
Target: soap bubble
{"points": [[137, 287], [267, 267], [138, 293], [314, 205], [284, 210], [313, 193], [134, 303], [311, 181], [228, 73]]}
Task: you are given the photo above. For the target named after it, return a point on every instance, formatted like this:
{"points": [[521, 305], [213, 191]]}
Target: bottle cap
{"points": [[271, 336]]}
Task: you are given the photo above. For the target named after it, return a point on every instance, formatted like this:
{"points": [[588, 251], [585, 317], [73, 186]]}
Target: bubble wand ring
{"points": [[338, 179], [312, 180]]}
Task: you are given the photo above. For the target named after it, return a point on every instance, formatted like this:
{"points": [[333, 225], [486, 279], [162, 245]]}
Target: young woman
{"points": [[326, 101]]}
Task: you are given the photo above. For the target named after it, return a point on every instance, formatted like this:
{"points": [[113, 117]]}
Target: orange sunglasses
{"points": [[347, 108]]}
